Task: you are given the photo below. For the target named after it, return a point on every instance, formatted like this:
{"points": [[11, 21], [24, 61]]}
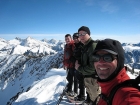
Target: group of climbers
{"points": [[97, 69]]}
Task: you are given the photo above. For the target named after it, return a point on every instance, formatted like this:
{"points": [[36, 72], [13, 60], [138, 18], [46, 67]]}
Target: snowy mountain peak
{"points": [[2, 40], [29, 38], [18, 38], [44, 40], [53, 41], [131, 44]]}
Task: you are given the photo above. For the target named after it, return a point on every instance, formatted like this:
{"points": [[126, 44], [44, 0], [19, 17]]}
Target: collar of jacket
{"points": [[71, 43], [88, 41], [107, 86]]}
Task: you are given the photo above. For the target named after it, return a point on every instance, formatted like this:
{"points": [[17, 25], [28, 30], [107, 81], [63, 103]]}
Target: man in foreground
{"points": [[108, 60]]}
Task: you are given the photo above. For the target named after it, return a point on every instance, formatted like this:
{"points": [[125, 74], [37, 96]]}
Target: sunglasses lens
{"points": [[108, 58], [82, 34], [96, 58]]}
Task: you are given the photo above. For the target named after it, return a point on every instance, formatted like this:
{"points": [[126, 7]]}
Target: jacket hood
{"points": [[114, 47]]}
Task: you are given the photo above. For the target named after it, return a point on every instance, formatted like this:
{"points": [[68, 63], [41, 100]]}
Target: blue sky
{"points": [[118, 19]]}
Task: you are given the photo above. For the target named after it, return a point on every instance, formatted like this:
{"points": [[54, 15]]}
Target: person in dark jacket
{"points": [[79, 76], [69, 65], [109, 60], [86, 67]]}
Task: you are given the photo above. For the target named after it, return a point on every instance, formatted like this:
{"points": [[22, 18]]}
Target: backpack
{"points": [[128, 83]]}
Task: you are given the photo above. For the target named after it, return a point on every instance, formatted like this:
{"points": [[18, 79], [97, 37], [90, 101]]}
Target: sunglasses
{"points": [[82, 34], [106, 57]]}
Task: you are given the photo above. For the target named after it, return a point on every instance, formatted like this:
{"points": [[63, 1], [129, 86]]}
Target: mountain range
{"points": [[25, 62]]}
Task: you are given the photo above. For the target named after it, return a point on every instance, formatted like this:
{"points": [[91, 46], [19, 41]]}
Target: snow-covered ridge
{"points": [[19, 74], [25, 61], [31, 71]]}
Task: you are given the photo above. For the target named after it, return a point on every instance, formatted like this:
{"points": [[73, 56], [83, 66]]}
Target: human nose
{"points": [[101, 60]]}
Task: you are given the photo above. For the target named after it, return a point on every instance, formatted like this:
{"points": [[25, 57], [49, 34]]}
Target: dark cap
{"points": [[75, 35], [108, 45], [84, 28]]}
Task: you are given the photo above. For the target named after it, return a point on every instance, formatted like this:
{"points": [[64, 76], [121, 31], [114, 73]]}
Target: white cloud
{"points": [[122, 38], [89, 2], [107, 6]]}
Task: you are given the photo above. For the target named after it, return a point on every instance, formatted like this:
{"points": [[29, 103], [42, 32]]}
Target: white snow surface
{"points": [[131, 48], [47, 90]]}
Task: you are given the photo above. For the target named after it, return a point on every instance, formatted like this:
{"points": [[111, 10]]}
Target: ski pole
{"points": [[63, 93], [61, 96]]}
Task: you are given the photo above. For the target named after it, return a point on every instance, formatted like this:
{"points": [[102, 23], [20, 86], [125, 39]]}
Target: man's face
{"points": [[68, 39], [104, 69], [83, 36], [76, 40]]}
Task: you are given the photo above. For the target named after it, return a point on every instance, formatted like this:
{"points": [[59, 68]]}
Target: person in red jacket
{"points": [[69, 65], [108, 58]]}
